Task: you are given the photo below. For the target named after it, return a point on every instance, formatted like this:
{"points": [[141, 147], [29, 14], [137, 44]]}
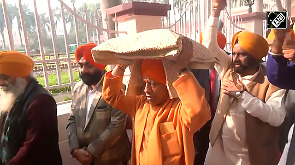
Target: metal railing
{"points": [[56, 60], [189, 17], [186, 17]]}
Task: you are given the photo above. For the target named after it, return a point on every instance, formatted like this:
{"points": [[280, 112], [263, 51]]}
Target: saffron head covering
{"points": [[153, 69], [252, 43], [271, 36], [85, 51], [17, 64], [221, 39]]}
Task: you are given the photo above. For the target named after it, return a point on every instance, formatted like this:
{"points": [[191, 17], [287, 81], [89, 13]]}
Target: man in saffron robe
{"points": [[163, 127]]}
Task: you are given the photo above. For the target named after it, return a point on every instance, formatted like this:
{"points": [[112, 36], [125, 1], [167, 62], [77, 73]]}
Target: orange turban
{"points": [[221, 39], [153, 69], [85, 52], [13, 63], [252, 43], [271, 36]]}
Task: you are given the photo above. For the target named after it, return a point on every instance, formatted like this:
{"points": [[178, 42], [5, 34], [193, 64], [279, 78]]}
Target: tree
{"points": [[93, 13], [108, 23], [12, 12], [2, 26]]}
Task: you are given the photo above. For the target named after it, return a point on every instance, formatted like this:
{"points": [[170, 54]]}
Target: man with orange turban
{"points": [[163, 127], [244, 128], [96, 131], [28, 115]]}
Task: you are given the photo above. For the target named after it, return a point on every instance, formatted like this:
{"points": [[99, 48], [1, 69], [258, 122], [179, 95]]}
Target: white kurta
{"points": [[89, 98], [284, 155], [290, 106]]}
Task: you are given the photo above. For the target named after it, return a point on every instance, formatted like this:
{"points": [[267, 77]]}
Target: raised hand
{"points": [[218, 4], [279, 39], [185, 55], [289, 50], [230, 87], [119, 70]]}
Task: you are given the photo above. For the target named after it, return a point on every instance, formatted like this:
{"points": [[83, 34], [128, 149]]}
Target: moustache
{"points": [[237, 62], [90, 79], [83, 75], [4, 88]]}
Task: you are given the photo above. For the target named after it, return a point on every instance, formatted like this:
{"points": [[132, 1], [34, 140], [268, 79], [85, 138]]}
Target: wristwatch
{"points": [[182, 70], [239, 94]]}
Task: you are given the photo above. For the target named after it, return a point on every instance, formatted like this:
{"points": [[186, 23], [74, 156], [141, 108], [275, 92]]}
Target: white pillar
{"points": [[229, 30], [288, 6], [203, 15], [258, 6], [279, 5]]}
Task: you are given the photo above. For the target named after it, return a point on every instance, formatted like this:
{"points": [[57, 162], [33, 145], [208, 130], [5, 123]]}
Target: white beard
{"points": [[9, 94]]}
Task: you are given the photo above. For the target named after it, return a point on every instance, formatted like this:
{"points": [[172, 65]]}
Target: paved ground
{"points": [[62, 96]]}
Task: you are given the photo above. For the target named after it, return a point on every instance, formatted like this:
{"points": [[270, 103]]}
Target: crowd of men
{"points": [[246, 127]]}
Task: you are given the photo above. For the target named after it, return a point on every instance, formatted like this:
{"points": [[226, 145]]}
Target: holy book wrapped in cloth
{"points": [[150, 44]]}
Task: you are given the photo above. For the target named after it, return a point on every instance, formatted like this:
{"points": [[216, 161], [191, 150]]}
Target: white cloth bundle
{"points": [[151, 44], [157, 44]]}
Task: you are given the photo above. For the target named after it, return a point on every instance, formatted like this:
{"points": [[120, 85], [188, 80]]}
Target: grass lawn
{"points": [[52, 78]]}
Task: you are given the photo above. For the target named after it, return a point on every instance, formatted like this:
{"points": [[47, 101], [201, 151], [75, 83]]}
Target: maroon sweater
{"points": [[33, 133]]}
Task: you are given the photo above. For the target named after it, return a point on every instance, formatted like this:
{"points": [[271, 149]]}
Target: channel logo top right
{"points": [[276, 19]]}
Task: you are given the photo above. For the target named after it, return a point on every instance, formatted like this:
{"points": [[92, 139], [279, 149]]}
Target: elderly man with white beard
{"points": [[28, 120]]}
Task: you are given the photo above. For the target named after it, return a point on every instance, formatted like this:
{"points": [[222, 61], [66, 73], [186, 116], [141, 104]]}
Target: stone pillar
{"points": [[136, 17], [288, 7], [253, 22], [107, 19], [258, 6], [293, 9], [228, 25]]}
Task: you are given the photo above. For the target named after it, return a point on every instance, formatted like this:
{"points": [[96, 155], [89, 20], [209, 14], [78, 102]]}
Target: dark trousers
{"points": [[201, 143], [291, 152]]}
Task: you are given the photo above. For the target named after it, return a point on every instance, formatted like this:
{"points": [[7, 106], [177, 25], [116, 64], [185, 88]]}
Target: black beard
{"points": [[240, 69], [91, 79]]}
